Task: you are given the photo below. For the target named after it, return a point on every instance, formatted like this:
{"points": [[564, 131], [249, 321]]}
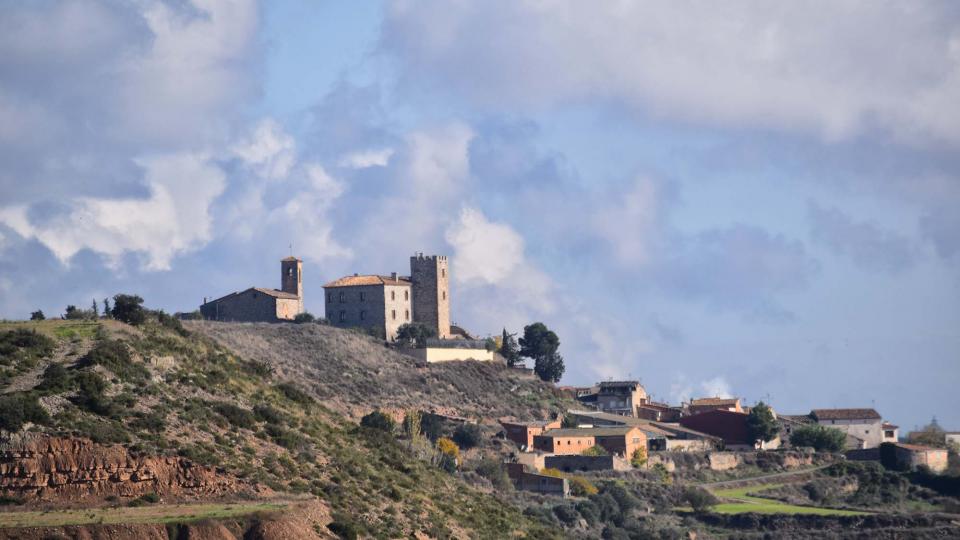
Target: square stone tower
{"points": [[291, 278], [430, 278]]}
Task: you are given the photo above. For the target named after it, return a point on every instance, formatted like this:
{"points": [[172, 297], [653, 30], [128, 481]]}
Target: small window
{"points": [[363, 315], [444, 295], [343, 315], [290, 272], [406, 295], [329, 298], [363, 296], [393, 314], [443, 272], [393, 295], [343, 297], [406, 314]]}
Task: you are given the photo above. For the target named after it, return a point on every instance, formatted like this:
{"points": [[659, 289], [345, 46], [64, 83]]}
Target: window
{"points": [[406, 295], [290, 272], [329, 298], [363, 315], [343, 297], [443, 272], [393, 295], [343, 315], [393, 314], [363, 296], [444, 295], [888, 434], [406, 314]]}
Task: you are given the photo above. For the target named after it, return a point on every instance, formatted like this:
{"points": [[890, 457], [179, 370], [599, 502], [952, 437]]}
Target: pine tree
{"points": [[509, 348], [106, 308], [96, 313]]}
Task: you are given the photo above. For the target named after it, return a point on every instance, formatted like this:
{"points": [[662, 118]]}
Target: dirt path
{"points": [[782, 476]]}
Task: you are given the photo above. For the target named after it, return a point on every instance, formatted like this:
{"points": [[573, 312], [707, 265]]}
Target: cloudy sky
{"points": [[743, 198]]}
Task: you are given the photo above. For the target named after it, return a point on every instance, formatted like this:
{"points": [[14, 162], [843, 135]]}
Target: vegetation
{"points": [[820, 438], [468, 436], [305, 317], [595, 450], [414, 335], [37, 315], [115, 356], [509, 349], [541, 344], [378, 420], [761, 424], [494, 471], [699, 499], [129, 309], [745, 502], [20, 408], [639, 457]]}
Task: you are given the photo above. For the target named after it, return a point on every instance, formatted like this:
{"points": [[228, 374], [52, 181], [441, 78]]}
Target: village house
{"points": [[538, 483], [911, 456], [660, 435], [659, 412], [697, 406], [259, 304], [622, 440], [730, 426], [384, 303], [523, 433], [864, 425], [620, 397]]}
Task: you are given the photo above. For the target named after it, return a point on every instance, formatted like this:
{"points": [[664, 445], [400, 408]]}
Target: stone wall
{"points": [[381, 307], [431, 292], [249, 305], [586, 463]]}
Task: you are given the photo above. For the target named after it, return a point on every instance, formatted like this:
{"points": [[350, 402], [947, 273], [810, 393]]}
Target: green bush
{"points": [[129, 309], [495, 472], [171, 322], [468, 436], [820, 438], [114, 356], [344, 527], [237, 416], [566, 513], [56, 379], [18, 409], [305, 317], [294, 394], [24, 345], [595, 450], [153, 422], [268, 414], [378, 420], [699, 499]]}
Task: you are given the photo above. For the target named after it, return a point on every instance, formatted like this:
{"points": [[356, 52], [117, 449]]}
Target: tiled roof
{"points": [[918, 447], [276, 294], [612, 431], [712, 401], [888, 425], [845, 414], [355, 281], [619, 384]]}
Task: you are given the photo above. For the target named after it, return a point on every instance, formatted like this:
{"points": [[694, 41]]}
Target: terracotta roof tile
{"points": [[356, 281], [845, 414], [711, 401]]}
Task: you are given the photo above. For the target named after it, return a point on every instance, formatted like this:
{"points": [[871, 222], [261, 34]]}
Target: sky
{"points": [[747, 198]]}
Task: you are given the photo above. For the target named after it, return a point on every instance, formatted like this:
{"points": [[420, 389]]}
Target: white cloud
{"points": [[174, 219], [827, 67], [367, 158], [716, 387], [304, 216], [628, 223], [683, 390], [269, 149], [485, 252]]}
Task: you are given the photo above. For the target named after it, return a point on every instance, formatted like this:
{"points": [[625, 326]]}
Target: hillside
{"points": [[351, 372], [158, 412]]}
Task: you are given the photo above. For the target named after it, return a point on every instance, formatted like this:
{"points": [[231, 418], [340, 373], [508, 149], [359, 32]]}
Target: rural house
{"points": [[621, 440], [621, 397], [728, 425], [523, 433], [262, 305], [863, 424], [701, 405]]}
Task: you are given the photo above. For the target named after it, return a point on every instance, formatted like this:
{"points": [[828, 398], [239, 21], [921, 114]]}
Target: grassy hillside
{"points": [[267, 416], [352, 372]]}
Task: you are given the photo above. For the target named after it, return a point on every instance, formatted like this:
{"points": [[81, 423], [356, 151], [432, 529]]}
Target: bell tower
{"points": [[291, 277]]}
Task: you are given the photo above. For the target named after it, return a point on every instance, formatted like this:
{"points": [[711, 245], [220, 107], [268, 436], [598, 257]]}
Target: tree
{"points": [[639, 457], [699, 499], [509, 349], [468, 435], [414, 334], [106, 309], [72, 313], [305, 317], [541, 344], [761, 424], [129, 309], [37, 315], [96, 312], [820, 438]]}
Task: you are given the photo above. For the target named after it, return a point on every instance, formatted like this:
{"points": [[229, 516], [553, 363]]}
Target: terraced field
{"points": [[739, 501]]}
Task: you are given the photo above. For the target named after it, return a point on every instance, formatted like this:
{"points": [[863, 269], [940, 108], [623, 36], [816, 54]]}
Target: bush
{"points": [[566, 513], [495, 472], [90, 393], [171, 322], [448, 447], [699, 499], [414, 335], [378, 420], [431, 426], [268, 414], [581, 487], [468, 435], [153, 422], [294, 394], [237, 416], [24, 345], [129, 309], [639, 457], [305, 317], [18, 409], [114, 356], [820, 438], [55, 379], [595, 450], [37, 315], [344, 528]]}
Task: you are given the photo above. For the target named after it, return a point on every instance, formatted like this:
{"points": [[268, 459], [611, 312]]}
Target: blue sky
{"points": [[739, 199]]}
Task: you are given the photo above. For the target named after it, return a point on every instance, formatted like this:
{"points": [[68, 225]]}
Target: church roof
{"points": [[358, 280], [269, 292]]}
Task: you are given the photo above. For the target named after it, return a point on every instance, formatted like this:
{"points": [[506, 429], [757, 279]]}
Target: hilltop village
{"points": [[252, 418], [615, 425]]}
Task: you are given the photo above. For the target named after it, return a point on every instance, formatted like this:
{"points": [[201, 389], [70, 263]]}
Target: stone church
{"points": [[262, 305], [384, 303]]}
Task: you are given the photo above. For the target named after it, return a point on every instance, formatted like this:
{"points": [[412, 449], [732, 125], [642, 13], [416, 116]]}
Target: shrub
{"points": [[414, 335], [37, 315], [589, 510], [171, 322], [468, 435], [24, 345], [268, 414], [294, 394], [581, 487], [820, 438], [55, 379], [90, 393], [595, 450], [495, 472], [432, 426], [639, 457], [18, 409], [566, 513], [286, 438], [448, 447], [378, 420], [305, 317], [129, 309], [237, 416], [344, 527], [411, 424], [153, 422], [114, 356], [699, 499]]}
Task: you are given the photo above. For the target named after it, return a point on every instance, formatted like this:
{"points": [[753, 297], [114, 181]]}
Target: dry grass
{"points": [[354, 373], [164, 513]]}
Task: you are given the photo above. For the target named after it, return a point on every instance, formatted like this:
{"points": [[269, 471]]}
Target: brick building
{"points": [[384, 303], [258, 304], [523, 433], [621, 440]]}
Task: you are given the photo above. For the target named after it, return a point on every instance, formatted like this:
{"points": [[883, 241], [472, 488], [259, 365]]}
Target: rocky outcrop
{"points": [[69, 470]]}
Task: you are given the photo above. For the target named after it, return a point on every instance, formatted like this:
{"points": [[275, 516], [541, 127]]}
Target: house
{"points": [[911, 456], [890, 432], [451, 350], [864, 424], [382, 304], [730, 426], [539, 483], [523, 433], [621, 397], [697, 406], [258, 304], [621, 440], [660, 435], [659, 412]]}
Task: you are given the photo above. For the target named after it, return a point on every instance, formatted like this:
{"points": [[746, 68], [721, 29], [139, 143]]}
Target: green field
{"points": [[56, 328], [161, 513], [737, 501]]}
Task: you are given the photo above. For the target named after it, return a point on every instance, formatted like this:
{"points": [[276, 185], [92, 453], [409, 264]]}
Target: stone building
{"points": [[617, 440], [863, 424], [701, 405], [258, 304], [911, 456], [384, 303], [621, 397]]}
